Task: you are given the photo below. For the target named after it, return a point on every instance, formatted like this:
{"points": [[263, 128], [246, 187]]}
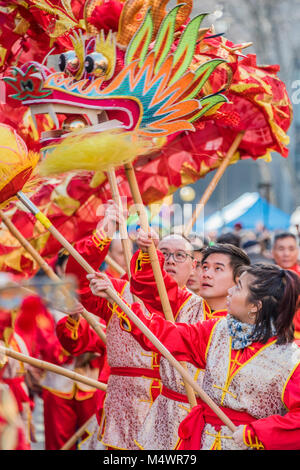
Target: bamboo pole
{"points": [[85, 265], [136, 194], [111, 175], [111, 262], [52, 368], [115, 297], [212, 185], [49, 271], [73, 439], [135, 191], [166, 353]]}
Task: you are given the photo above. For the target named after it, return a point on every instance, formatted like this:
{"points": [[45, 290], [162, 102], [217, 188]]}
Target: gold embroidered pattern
{"points": [[143, 258], [100, 239], [72, 325], [217, 445], [256, 444]]}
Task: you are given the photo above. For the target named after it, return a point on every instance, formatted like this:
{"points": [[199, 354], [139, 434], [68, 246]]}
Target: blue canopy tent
{"points": [[249, 209]]}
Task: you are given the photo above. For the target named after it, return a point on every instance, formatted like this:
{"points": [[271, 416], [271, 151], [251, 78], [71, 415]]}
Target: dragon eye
{"points": [[96, 64], [68, 63], [27, 85]]}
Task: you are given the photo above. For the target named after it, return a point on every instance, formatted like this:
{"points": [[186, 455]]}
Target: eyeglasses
{"points": [[178, 256]]}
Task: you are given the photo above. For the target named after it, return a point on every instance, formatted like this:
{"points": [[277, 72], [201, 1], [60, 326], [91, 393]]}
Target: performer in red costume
{"points": [[67, 404], [12, 433], [221, 266], [77, 337], [285, 252], [13, 334], [134, 380], [252, 364], [159, 430]]}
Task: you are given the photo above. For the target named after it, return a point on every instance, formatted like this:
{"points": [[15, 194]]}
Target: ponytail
{"points": [[287, 306], [276, 291]]}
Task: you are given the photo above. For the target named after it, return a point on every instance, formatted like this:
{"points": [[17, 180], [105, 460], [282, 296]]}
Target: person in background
{"points": [[230, 237], [237, 228], [193, 282], [253, 249], [17, 318], [285, 252], [199, 243], [12, 432], [67, 404], [116, 252]]}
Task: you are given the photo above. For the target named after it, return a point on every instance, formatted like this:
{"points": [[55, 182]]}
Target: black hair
{"points": [[231, 238], [238, 258], [282, 235], [278, 291], [62, 258]]}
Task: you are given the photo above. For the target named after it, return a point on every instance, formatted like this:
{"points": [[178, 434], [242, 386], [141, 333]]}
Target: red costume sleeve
{"points": [[36, 326], [280, 432], [49, 347], [93, 249], [186, 342], [144, 286], [77, 337]]}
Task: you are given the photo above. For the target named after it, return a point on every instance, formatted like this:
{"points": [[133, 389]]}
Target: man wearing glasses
{"points": [[176, 257]]}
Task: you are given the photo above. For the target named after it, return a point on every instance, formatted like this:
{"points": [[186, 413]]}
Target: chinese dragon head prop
{"points": [[136, 78], [82, 67]]}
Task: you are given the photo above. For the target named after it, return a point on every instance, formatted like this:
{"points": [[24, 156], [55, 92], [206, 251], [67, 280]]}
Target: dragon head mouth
{"points": [[74, 106], [80, 107]]}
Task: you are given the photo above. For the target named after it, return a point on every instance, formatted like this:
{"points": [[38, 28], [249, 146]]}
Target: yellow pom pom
{"points": [[97, 152]]}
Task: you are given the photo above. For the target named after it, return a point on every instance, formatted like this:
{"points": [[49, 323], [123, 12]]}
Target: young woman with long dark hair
{"points": [[250, 359]]}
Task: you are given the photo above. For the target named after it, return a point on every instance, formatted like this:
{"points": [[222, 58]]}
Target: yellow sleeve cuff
{"points": [[249, 442], [143, 258], [73, 325], [100, 239]]}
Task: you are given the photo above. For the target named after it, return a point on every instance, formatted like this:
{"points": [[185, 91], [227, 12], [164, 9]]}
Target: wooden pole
{"points": [[73, 439], [48, 270], [136, 194], [111, 175], [77, 256], [53, 368], [212, 185], [135, 191], [111, 262], [166, 353]]}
